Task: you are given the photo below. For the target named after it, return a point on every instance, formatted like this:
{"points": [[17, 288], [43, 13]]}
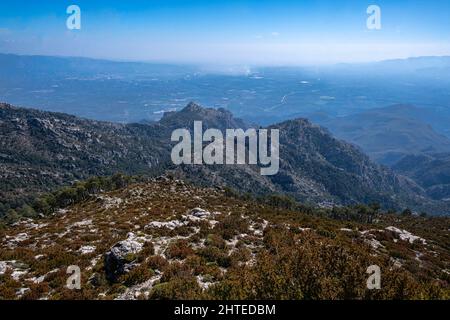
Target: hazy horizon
{"points": [[256, 33], [220, 65]]}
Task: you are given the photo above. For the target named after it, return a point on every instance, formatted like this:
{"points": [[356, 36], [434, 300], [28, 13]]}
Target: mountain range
{"points": [[40, 151], [390, 133]]}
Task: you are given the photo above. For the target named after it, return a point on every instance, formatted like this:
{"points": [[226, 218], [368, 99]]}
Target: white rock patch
{"points": [[3, 267], [110, 202], [136, 291], [14, 241], [87, 249], [83, 223], [374, 243], [406, 235]]}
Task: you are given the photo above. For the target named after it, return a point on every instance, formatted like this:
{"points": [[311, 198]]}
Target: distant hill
{"points": [[388, 134], [41, 150], [21, 67], [431, 171], [425, 66]]}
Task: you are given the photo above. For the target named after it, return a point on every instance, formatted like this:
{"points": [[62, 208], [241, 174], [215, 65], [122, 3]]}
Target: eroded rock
{"points": [[119, 259]]}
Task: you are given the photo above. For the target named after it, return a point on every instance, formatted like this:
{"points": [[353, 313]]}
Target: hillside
{"points": [[166, 239], [431, 171], [41, 150], [388, 134]]}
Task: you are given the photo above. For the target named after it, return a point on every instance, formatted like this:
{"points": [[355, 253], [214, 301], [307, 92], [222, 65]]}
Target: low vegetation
{"points": [[209, 243]]}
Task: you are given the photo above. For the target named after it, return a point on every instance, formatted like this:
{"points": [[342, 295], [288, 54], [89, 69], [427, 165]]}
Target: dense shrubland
{"points": [[258, 248], [63, 197]]}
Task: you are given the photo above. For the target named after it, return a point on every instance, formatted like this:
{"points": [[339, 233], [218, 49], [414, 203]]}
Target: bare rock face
{"points": [[119, 260]]}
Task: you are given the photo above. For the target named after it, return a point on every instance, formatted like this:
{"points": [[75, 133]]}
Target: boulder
{"points": [[199, 212], [120, 258]]}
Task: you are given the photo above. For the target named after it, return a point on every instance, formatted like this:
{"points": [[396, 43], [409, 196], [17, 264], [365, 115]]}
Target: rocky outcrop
{"points": [[120, 259]]}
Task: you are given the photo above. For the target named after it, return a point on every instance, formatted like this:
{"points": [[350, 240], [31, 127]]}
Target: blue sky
{"points": [[228, 32]]}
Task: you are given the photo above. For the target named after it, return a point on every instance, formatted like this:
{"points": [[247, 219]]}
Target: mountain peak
{"points": [[195, 108], [192, 107], [212, 118], [5, 106]]}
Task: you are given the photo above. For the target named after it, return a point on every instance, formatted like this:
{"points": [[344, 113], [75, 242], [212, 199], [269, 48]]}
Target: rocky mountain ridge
{"points": [[40, 151]]}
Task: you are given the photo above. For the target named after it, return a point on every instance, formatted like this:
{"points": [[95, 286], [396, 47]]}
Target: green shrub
{"points": [[137, 275], [179, 249], [231, 226], [215, 240], [176, 289]]}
